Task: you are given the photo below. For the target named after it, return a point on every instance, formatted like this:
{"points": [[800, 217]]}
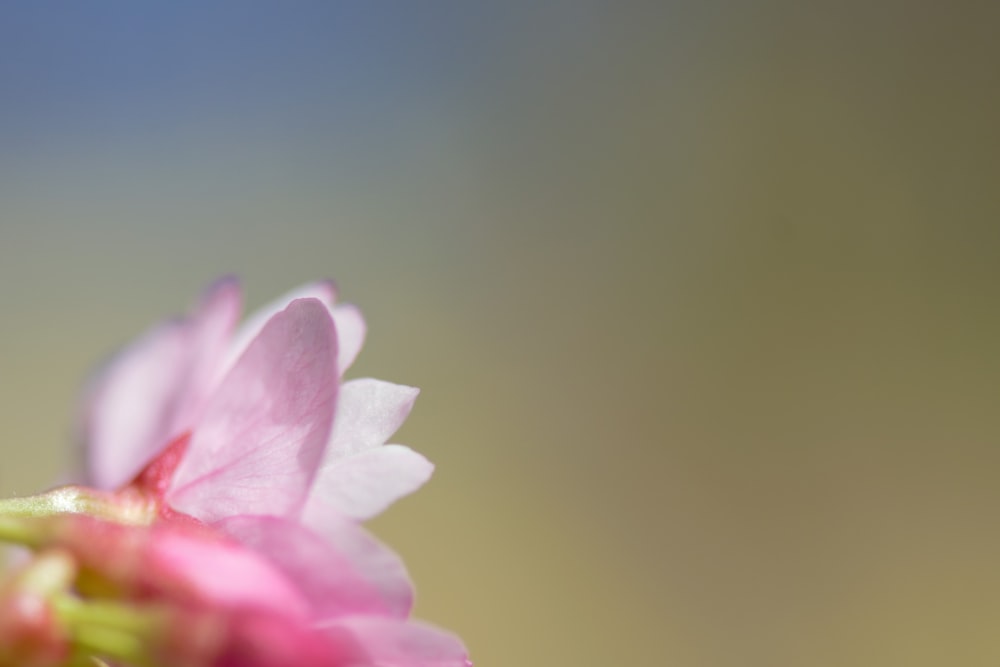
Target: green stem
{"points": [[122, 507], [19, 532], [112, 630], [108, 614], [112, 644], [64, 500]]}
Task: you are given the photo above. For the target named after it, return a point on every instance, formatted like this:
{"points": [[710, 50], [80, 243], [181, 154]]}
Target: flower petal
{"points": [[365, 484], [351, 331], [368, 413], [323, 290], [178, 561], [373, 640], [153, 389], [259, 443], [374, 561], [218, 574], [352, 574]]}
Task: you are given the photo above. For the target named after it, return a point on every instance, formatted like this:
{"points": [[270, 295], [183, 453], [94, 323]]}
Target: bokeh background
{"points": [[702, 296]]}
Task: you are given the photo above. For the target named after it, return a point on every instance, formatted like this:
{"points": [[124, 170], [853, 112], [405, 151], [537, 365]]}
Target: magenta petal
{"points": [[351, 331], [259, 443], [217, 573], [368, 413], [153, 389], [175, 561], [371, 640], [365, 484], [252, 326], [351, 574]]}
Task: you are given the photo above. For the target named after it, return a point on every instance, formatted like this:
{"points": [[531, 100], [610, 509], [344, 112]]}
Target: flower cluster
{"points": [[228, 470]]}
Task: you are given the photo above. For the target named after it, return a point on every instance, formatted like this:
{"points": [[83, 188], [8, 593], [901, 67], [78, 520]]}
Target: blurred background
{"points": [[702, 296]]}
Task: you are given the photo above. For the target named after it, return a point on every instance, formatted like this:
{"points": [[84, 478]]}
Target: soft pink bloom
{"points": [[273, 430], [252, 432]]}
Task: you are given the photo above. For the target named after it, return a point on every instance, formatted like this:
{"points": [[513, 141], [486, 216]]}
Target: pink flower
{"points": [[252, 432], [273, 430]]}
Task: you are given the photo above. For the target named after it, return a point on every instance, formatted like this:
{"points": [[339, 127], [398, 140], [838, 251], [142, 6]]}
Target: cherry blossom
{"points": [[230, 466]]}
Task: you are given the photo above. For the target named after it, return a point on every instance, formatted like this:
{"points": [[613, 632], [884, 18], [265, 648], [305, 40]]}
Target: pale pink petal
{"points": [[374, 561], [129, 410], [365, 484], [323, 290], [352, 574], [373, 640], [259, 443], [368, 413], [152, 390], [212, 329], [351, 331]]}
